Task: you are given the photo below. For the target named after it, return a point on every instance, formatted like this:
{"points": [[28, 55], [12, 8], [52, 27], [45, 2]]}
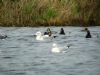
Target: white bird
{"points": [[45, 36], [56, 49], [40, 37]]}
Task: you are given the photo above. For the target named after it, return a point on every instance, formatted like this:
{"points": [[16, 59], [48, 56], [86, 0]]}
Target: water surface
{"points": [[22, 54]]}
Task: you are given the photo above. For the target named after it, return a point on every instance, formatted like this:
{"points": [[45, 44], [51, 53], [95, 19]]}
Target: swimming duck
{"points": [[3, 36], [62, 31], [88, 35]]}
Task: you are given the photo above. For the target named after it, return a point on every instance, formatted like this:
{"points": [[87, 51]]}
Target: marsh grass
{"points": [[49, 12]]}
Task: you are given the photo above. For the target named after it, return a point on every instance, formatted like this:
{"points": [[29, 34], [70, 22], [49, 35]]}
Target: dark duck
{"points": [[88, 35], [3, 36], [62, 31]]}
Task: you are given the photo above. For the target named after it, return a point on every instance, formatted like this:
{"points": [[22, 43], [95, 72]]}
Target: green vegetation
{"points": [[49, 12]]}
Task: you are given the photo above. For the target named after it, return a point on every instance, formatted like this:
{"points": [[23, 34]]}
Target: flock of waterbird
{"points": [[48, 34], [55, 48]]}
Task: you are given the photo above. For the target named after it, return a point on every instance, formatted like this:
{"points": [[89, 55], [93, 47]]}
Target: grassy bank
{"points": [[49, 12]]}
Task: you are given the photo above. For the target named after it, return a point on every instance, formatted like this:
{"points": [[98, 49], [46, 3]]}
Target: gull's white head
{"points": [[54, 45], [39, 36], [38, 33]]}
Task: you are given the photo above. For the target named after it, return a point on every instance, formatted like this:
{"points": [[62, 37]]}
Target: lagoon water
{"points": [[22, 54]]}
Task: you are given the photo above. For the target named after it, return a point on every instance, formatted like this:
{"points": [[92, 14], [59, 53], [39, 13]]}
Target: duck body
{"points": [[62, 32], [88, 35], [3, 36]]}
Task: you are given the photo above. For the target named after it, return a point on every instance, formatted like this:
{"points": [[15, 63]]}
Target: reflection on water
{"points": [[22, 54]]}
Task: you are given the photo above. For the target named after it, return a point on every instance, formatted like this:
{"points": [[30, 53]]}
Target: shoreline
{"points": [[48, 25]]}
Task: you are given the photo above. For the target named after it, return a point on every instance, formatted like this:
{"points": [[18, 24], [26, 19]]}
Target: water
{"points": [[22, 54]]}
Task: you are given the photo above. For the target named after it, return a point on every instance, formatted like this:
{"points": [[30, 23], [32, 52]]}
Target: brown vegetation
{"points": [[49, 12]]}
